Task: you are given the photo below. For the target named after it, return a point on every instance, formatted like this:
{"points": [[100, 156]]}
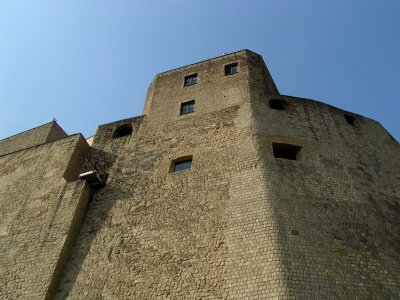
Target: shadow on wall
{"points": [[321, 209], [94, 220]]}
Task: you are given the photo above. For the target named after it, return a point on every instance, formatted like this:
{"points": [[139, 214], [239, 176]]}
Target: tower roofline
{"points": [[199, 62]]}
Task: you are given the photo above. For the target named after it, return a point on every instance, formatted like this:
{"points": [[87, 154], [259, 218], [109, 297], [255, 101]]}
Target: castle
{"points": [[222, 189]]}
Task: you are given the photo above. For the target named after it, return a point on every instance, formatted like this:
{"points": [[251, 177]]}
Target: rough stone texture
{"points": [[36, 136], [240, 224], [213, 91], [40, 212]]}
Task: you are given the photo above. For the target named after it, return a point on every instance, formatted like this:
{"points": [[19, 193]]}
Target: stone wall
{"points": [[40, 213], [213, 90], [152, 233], [242, 223], [36, 136], [334, 213]]}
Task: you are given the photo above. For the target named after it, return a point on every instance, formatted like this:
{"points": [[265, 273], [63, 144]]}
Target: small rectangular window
{"points": [[277, 104], [182, 165], [187, 107], [190, 80], [286, 151], [231, 69]]}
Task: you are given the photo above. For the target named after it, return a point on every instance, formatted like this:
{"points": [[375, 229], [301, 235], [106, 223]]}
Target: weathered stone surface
{"points": [[240, 224], [36, 136], [40, 213]]}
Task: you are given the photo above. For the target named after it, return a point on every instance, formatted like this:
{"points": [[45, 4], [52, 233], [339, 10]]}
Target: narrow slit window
{"points": [[231, 69], [187, 107], [181, 164], [122, 130], [286, 151], [190, 80], [350, 119], [277, 104]]}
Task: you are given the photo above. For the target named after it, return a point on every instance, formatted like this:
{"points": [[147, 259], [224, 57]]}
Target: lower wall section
{"points": [[255, 268], [241, 223], [75, 202], [151, 233], [40, 215]]}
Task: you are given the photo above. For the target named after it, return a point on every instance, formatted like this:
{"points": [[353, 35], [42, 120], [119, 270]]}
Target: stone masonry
{"points": [[286, 198]]}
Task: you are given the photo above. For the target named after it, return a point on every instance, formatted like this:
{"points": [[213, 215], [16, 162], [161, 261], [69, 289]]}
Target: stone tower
{"points": [[222, 189]]}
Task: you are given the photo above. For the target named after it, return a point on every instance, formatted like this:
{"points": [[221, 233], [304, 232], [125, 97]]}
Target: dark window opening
{"points": [[277, 104], [350, 119], [187, 107], [181, 164], [286, 151], [190, 80], [123, 130], [231, 69]]}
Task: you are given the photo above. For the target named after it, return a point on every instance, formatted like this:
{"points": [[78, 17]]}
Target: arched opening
{"points": [[123, 130], [181, 163]]}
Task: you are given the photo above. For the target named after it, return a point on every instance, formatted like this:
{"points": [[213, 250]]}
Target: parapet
{"points": [[39, 135]]}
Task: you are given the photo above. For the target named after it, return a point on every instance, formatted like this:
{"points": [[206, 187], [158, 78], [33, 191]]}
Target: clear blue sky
{"points": [[87, 63]]}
